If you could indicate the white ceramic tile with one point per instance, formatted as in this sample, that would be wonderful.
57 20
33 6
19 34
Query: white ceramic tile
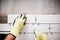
21 37
55 27
28 28
54 37
48 18
49 37
30 18
12 17
25 37
5 27
42 27
31 28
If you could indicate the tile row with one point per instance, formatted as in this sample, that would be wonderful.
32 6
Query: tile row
31 28
31 37
39 18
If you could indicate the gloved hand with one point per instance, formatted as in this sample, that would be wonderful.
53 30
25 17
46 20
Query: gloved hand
18 25
40 36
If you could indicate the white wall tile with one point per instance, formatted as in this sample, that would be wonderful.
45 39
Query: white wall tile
54 37
30 18
55 27
5 27
12 17
28 28
42 27
48 18
25 37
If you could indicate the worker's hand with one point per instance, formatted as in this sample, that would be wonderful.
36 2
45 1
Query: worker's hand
40 36
18 25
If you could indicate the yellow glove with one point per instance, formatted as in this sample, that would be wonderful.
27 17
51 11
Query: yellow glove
18 25
40 36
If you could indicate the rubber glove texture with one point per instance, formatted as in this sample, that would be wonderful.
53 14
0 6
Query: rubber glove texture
40 36
18 25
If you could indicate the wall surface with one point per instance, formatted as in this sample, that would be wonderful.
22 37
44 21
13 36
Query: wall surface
31 6
42 15
49 24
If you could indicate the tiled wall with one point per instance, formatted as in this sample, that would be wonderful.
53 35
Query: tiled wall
39 17
49 24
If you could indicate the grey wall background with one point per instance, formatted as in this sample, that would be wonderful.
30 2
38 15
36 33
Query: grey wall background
30 6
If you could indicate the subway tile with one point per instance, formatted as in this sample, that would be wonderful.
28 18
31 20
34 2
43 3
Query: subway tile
28 28
25 37
54 37
31 28
48 18
5 27
12 17
30 18
55 27
42 27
